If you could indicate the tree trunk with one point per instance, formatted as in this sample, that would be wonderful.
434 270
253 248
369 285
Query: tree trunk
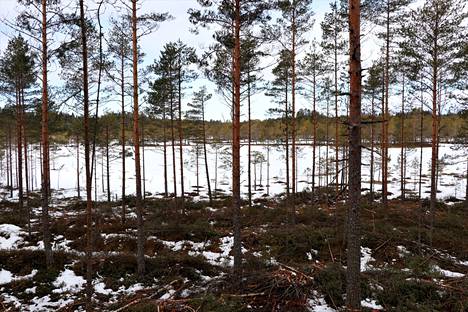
8 160
314 123
286 112
181 151
435 127
268 169
327 173
386 112
19 147
466 186
249 146
255 176
236 146
353 294
382 136
143 156
136 142
197 158
293 115
103 187
216 170
371 191
78 167
421 145
165 152
402 137
206 155
45 181
337 135
89 204
122 132
26 166
174 170
108 165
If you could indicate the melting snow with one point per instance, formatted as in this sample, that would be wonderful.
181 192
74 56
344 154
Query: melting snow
319 305
366 257
10 236
5 277
447 273
371 304
68 281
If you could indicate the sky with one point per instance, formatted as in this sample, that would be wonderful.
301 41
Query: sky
179 28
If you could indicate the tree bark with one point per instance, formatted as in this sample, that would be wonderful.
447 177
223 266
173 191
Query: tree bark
45 181
286 113
293 113
236 146
337 135
421 145
136 142
174 170
19 146
143 156
108 165
371 192
466 185
249 146
122 131
8 160
78 167
206 155
435 127
314 123
402 137
386 112
165 151
89 204
26 165
327 169
181 151
353 294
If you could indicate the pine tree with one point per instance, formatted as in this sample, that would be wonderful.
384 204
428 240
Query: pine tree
232 17
312 68
158 98
389 13
185 56
143 24
280 88
197 113
334 45
119 47
372 89
432 40
16 75
353 293
295 21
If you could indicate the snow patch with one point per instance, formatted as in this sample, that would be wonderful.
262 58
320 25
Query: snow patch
371 304
5 277
319 305
447 273
366 258
68 281
10 236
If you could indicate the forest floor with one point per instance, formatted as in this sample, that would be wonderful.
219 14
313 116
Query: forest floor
287 267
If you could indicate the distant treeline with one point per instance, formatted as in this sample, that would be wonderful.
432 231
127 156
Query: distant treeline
66 127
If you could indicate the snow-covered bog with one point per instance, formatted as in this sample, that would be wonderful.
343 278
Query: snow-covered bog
268 177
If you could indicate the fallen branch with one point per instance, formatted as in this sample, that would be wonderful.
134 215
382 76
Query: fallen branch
244 295
296 271
138 300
